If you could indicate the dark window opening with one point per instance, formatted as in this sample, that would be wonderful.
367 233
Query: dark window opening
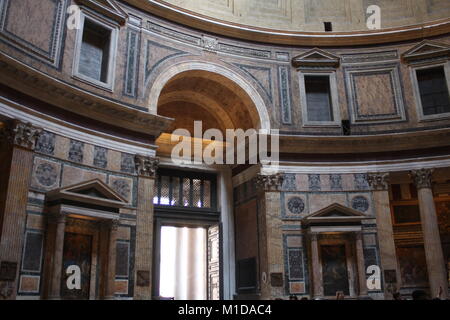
318 98
433 91
328 26
94 54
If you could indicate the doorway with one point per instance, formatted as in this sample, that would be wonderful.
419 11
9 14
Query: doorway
183 263
187 236
187 266
77 252
334 270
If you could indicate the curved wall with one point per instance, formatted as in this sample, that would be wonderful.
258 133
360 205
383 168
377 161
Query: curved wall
309 15
374 84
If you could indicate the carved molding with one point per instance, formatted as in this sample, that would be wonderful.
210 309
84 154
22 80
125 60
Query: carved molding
422 178
108 8
72 99
427 50
316 58
56 218
269 182
20 134
378 181
146 166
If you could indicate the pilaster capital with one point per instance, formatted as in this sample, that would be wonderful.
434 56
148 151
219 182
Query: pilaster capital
269 182
422 178
146 166
378 181
20 134
56 218
112 225
313 236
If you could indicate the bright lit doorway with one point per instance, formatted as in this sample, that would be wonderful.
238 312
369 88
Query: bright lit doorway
183 263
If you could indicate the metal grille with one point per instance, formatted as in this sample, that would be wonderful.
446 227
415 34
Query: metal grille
186 192
165 191
207 194
175 191
196 193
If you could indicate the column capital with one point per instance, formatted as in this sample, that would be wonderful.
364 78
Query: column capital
378 181
422 178
146 166
20 134
269 182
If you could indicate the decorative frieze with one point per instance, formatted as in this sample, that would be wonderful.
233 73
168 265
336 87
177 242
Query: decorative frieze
361 181
146 166
46 143
100 157
314 182
127 163
378 181
20 134
269 182
335 182
289 182
422 178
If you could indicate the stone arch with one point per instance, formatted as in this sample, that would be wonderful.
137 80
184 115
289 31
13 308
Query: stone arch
258 109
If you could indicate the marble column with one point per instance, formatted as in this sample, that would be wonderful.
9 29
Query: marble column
316 267
146 169
437 273
110 285
17 143
58 223
270 235
362 283
379 183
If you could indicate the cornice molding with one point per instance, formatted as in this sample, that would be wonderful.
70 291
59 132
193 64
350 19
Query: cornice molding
427 50
316 58
50 90
108 8
415 140
272 36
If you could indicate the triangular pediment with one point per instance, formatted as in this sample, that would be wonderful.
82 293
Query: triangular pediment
427 49
334 214
88 191
107 7
316 58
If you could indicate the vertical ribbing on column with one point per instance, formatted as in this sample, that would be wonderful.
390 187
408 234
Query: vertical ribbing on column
14 210
15 206
144 235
